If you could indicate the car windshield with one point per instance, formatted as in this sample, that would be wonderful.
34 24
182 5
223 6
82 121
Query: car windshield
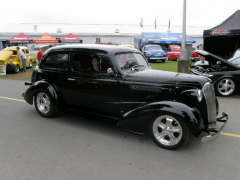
156 48
131 62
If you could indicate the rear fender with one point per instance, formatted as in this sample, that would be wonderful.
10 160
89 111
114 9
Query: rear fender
41 85
137 119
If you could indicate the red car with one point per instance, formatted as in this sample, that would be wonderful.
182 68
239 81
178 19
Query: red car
195 56
174 54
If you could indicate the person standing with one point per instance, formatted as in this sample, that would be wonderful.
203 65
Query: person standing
39 55
202 61
22 57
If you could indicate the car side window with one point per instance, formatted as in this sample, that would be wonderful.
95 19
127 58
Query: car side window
83 62
56 61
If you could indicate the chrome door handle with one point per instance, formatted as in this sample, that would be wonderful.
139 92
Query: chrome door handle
70 79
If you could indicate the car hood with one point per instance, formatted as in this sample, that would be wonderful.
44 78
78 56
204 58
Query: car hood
152 76
236 58
4 55
213 58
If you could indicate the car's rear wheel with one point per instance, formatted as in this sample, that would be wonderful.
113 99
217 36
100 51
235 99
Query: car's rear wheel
44 104
16 69
225 87
169 131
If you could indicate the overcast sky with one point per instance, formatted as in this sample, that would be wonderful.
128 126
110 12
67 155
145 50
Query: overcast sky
199 12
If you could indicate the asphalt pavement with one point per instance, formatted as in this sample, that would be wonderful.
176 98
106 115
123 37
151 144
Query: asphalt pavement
70 148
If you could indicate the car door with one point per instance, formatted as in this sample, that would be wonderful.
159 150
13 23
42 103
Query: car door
55 69
94 92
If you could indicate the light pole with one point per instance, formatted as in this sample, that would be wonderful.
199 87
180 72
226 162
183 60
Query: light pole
183 62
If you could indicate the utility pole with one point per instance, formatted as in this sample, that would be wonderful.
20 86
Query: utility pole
183 62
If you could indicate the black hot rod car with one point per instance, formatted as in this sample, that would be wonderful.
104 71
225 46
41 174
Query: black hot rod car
125 93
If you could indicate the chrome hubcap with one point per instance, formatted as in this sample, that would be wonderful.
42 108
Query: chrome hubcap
167 130
43 103
226 87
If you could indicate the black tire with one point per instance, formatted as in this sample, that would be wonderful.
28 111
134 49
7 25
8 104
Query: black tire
169 131
16 69
225 87
44 104
163 61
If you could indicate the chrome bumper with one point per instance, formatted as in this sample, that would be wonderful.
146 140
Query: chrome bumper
213 134
157 57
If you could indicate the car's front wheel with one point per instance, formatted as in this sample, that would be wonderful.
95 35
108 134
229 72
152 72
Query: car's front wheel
225 87
44 104
169 131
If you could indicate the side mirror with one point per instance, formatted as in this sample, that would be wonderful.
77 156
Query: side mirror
109 71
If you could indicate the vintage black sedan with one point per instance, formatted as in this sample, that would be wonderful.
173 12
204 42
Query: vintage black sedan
116 85
225 75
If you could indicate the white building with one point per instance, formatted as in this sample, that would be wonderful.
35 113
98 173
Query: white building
92 33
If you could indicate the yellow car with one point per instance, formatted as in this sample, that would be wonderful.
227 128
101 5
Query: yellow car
9 57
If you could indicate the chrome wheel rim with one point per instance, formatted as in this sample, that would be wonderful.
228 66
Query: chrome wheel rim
167 130
226 87
43 103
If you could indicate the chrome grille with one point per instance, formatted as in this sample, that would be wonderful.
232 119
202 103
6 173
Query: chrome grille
209 93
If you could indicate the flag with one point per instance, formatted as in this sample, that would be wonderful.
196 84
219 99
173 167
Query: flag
169 24
141 23
155 23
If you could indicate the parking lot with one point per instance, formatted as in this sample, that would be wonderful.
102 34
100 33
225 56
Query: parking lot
67 147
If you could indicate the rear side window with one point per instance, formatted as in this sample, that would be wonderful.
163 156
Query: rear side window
83 62
56 61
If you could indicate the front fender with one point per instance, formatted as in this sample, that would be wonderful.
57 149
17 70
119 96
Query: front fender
137 119
41 85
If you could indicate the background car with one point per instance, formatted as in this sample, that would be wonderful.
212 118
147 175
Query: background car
174 53
154 53
9 57
175 50
224 74
34 51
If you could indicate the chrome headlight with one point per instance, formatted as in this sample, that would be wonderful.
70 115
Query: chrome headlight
199 95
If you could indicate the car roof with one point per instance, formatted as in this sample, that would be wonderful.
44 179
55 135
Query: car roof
98 47
14 47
